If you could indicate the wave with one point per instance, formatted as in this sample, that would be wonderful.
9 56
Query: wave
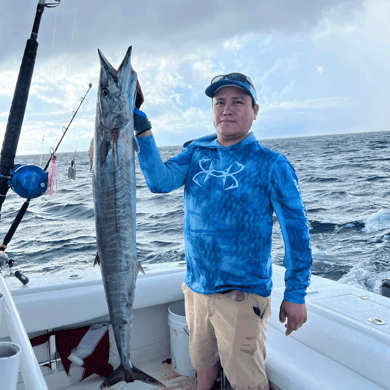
343 182
317 227
328 269
380 159
338 194
378 221
322 179
369 273
346 165
321 227
165 257
316 210
69 210
378 145
377 178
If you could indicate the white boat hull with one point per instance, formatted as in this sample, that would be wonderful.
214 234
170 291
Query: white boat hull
338 348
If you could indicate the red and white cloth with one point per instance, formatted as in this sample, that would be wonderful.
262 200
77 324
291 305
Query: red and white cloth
84 351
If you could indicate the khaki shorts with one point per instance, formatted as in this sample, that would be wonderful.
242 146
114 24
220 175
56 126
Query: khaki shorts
221 328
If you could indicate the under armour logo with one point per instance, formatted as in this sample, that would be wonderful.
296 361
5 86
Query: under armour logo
206 173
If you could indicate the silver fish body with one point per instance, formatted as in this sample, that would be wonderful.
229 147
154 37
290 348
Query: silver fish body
114 190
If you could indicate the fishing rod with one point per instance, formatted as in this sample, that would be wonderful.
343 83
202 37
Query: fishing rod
29 180
19 103
24 180
65 129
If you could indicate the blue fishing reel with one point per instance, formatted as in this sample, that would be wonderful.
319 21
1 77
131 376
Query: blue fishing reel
28 181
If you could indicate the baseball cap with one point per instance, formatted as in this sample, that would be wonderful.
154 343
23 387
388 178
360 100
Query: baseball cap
232 79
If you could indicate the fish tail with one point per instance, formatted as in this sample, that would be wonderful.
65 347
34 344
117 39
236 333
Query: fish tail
131 375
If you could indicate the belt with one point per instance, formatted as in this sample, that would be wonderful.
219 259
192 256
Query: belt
237 295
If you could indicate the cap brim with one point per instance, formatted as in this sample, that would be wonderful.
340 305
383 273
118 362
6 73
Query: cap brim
214 87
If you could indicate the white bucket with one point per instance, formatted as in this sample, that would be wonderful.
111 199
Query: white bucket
9 365
180 340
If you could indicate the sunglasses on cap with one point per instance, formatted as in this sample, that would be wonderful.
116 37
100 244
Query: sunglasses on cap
234 77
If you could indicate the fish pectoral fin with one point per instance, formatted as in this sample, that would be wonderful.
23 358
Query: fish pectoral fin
90 152
140 269
97 259
130 375
136 145
105 148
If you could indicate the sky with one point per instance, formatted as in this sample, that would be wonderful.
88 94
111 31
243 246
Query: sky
319 67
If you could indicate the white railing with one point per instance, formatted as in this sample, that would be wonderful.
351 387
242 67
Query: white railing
31 373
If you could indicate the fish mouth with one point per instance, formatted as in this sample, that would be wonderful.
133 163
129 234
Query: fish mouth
115 113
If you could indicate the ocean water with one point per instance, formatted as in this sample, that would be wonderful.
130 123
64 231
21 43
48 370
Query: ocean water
345 185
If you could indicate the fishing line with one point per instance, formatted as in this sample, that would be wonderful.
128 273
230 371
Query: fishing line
69 56
53 151
50 83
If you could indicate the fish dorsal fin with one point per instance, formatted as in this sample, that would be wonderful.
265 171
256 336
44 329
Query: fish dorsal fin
90 152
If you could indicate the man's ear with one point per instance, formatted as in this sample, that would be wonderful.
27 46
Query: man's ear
256 111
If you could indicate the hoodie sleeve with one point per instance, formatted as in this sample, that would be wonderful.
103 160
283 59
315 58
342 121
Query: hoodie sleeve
287 203
162 177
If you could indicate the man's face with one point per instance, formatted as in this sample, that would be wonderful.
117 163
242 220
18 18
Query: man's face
233 115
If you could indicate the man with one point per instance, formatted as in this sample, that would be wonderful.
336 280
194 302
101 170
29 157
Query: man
232 186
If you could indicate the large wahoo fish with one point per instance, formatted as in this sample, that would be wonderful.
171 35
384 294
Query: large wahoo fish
115 214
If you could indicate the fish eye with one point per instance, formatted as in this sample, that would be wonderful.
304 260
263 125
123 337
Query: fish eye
105 92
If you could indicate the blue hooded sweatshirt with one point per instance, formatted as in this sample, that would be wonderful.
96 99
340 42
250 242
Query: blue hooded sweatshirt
229 198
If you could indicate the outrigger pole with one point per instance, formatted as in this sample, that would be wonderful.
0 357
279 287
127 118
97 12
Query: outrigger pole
19 102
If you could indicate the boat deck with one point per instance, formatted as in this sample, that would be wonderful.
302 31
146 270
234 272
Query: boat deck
156 368
343 345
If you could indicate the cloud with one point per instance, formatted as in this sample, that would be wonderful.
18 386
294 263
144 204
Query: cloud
176 119
362 48
156 24
321 64
233 44
310 104
51 103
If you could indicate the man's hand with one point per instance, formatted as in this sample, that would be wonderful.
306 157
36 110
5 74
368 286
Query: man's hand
139 99
295 313
142 124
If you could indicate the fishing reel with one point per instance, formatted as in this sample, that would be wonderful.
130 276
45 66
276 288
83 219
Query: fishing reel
4 259
28 181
